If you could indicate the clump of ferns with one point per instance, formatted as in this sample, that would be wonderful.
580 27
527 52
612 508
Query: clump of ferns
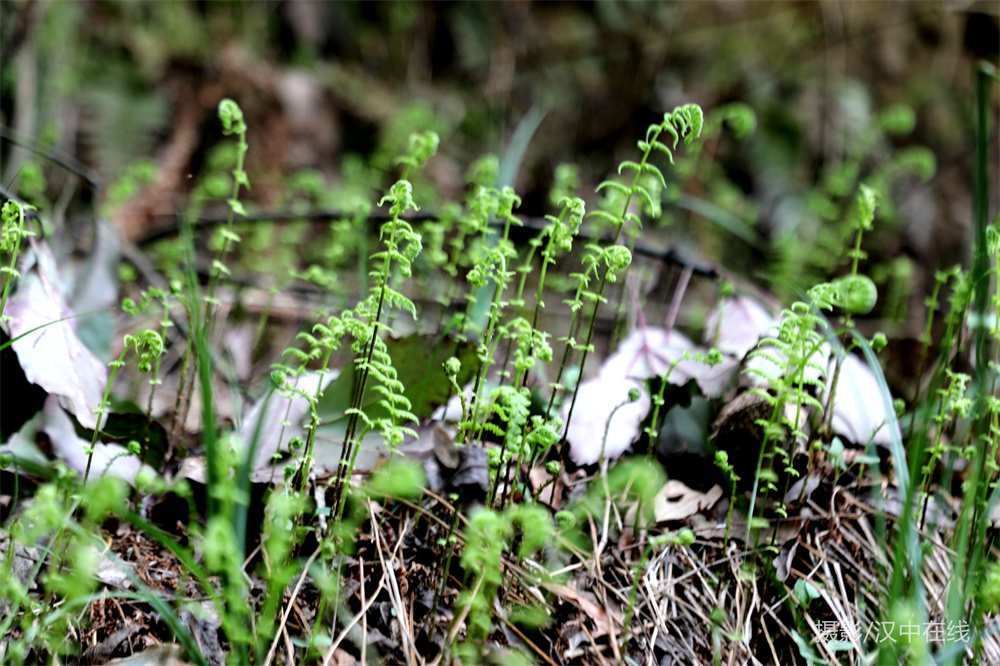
796 352
992 441
321 343
557 237
493 268
440 269
992 402
490 534
469 245
522 437
953 405
685 123
801 352
401 246
854 293
480 205
614 259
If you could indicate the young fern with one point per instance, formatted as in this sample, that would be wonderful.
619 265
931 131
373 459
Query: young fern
683 123
954 405
797 351
490 533
557 236
493 267
148 346
130 307
401 247
214 185
12 232
232 123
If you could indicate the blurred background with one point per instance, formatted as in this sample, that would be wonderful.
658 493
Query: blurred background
111 107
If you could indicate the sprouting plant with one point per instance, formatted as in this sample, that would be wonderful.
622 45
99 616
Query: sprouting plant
489 535
790 363
402 245
148 346
727 469
130 307
471 225
954 404
557 236
214 185
11 234
684 122
493 268
277 543
232 123
742 122
941 278
280 382
614 259
854 293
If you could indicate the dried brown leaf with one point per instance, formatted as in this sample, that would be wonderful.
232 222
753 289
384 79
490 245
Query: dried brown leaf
676 501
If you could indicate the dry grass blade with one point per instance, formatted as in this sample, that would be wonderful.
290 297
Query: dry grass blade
360 616
397 601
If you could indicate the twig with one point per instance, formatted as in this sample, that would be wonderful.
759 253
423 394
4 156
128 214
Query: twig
362 617
364 605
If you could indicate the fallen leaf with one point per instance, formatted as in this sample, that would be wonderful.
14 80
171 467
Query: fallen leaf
96 288
653 351
601 619
340 658
604 421
737 324
109 459
53 356
858 409
168 654
676 501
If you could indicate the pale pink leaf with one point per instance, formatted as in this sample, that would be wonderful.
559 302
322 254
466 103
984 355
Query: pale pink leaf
858 407
53 356
596 400
737 324
109 459
652 351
